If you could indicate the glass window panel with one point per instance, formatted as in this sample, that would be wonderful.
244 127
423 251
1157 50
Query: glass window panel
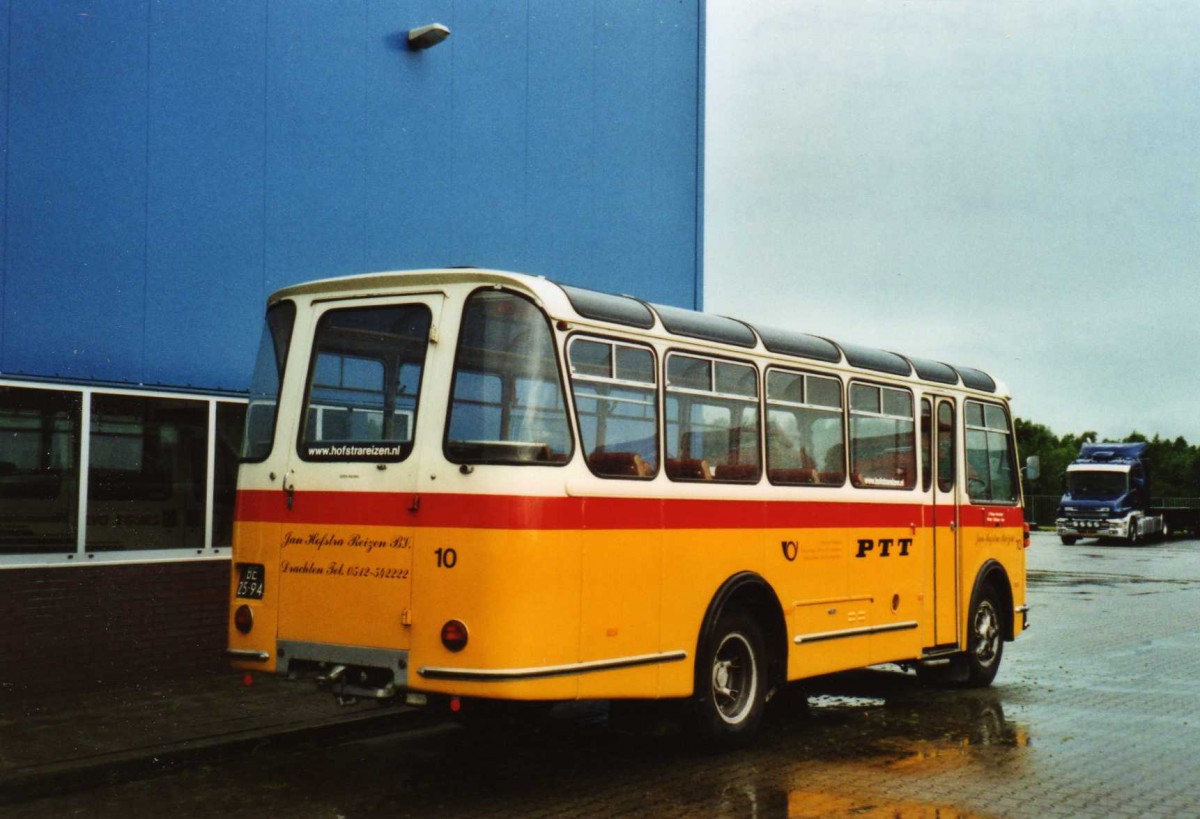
785 386
229 424
39 472
711 436
618 422
635 364
147 478
864 398
685 372
974 414
945 447
1000 468
882 452
737 379
591 358
824 392
991 469
897 403
507 400
365 383
994 417
266 380
978 468
926 445
805 446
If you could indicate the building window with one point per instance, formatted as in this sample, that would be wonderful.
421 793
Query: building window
39 470
147 473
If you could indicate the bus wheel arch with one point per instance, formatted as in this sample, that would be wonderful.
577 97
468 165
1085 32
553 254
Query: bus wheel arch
991 600
741 659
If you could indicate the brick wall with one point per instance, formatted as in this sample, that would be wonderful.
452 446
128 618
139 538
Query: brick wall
72 628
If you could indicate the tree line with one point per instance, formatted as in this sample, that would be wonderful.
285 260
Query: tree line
1174 465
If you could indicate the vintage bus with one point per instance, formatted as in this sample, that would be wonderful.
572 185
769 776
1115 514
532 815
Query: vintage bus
475 484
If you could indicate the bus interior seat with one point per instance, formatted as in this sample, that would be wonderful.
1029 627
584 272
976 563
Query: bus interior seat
746 473
620 464
689 469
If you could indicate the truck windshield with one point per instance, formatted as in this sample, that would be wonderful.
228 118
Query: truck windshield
1097 485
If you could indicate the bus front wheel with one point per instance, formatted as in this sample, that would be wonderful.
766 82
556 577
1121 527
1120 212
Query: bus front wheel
731 680
985 640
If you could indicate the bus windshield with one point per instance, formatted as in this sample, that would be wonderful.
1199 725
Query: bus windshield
1097 485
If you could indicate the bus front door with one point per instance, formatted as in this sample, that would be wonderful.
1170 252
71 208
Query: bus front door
945 526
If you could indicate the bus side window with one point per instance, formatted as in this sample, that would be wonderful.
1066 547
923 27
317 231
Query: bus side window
507 403
805 433
712 420
883 451
616 400
991 476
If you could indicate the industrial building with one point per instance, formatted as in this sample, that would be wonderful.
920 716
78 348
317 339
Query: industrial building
167 165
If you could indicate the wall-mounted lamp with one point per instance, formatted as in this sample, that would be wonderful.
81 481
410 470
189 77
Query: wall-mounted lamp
427 36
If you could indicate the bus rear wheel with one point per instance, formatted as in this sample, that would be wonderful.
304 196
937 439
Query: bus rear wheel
731 681
985 640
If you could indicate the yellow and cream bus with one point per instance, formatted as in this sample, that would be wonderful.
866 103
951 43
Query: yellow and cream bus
475 484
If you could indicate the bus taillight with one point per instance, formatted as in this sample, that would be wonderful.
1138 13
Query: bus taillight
454 635
243 619
1025 542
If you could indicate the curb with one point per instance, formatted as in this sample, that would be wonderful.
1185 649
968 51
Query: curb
124 766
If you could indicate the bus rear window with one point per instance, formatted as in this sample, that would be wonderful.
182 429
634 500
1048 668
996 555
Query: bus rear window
365 382
266 380
507 403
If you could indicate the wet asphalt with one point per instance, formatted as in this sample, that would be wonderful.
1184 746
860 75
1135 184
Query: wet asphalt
1094 713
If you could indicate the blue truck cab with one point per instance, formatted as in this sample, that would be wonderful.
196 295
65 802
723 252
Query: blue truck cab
1106 494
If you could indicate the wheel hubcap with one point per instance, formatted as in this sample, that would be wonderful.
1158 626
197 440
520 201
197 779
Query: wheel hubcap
734 678
987 634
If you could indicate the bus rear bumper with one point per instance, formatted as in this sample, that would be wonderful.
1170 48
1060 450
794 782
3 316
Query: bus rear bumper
347 671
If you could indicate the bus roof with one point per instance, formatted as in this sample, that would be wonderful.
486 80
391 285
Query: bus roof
565 301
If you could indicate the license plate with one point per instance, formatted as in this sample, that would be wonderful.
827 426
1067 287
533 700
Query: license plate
250 580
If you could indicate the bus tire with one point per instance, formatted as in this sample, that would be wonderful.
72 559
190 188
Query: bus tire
985 639
1069 540
731 680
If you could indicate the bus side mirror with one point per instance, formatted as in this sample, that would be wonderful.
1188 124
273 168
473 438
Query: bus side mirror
1033 467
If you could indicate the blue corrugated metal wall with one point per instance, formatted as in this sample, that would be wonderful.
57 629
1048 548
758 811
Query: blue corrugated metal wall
168 164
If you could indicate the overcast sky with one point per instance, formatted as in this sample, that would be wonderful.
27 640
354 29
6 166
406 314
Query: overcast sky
1013 186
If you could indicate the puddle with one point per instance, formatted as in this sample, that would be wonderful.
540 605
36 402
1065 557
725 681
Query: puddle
818 804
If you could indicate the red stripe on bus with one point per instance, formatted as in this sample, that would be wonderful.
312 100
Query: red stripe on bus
524 512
